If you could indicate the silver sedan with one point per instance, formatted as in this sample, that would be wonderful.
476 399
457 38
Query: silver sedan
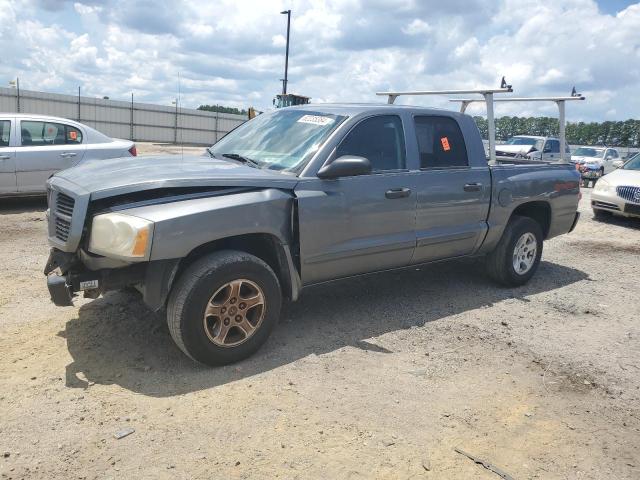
619 191
34 147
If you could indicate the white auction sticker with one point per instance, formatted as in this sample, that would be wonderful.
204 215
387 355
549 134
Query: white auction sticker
316 120
89 285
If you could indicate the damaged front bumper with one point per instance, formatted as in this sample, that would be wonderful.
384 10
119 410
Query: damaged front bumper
66 276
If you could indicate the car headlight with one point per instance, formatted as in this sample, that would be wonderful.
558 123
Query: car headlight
602 186
120 235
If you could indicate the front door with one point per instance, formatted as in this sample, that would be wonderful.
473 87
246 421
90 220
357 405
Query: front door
453 198
360 224
7 159
45 148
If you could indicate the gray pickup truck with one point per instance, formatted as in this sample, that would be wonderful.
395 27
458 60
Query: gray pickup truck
293 198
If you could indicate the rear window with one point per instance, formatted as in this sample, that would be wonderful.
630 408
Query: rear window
440 142
5 133
37 134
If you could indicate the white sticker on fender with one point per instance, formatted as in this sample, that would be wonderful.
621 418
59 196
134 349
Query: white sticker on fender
316 120
89 284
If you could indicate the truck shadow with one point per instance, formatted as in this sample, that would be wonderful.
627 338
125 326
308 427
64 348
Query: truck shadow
11 205
116 340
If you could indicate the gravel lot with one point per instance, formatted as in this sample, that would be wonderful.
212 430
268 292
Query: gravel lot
378 377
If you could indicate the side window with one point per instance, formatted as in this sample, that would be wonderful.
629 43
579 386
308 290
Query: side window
47 133
440 142
5 133
554 146
614 153
380 139
73 135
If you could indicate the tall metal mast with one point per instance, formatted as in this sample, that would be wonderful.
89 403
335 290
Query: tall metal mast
286 60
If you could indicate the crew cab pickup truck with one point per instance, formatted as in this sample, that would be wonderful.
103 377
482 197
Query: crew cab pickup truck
292 198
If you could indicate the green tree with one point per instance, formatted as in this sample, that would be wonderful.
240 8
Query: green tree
222 109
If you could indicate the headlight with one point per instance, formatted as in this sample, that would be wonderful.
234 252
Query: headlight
120 235
602 186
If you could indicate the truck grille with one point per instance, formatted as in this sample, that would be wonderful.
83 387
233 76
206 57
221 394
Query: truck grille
63 213
630 194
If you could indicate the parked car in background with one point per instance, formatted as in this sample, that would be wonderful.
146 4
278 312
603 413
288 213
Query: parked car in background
594 162
619 191
546 149
34 147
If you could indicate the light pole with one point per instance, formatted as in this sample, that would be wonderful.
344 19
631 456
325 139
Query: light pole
286 58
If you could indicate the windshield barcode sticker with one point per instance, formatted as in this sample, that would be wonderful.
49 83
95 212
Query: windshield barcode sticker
316 120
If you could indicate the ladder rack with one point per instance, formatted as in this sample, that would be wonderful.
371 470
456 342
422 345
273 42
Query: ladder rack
487 93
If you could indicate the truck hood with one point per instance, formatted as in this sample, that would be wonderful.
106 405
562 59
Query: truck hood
117 176
514 148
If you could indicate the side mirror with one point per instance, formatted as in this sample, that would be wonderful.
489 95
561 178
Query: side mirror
618 163
345 166
546 149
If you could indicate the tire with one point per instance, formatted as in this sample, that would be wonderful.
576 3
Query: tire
600 214
201 302
500 262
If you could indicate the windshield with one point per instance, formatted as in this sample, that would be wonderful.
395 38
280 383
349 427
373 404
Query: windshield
588 152
633 163
279 140
521 141
536 143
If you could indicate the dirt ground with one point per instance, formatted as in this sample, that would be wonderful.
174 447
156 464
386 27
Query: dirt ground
378 377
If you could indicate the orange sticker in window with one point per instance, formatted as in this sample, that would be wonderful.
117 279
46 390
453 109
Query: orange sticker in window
445 144
73 135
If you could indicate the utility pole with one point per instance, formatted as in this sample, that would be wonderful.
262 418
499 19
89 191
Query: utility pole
286 58
78 103
18 96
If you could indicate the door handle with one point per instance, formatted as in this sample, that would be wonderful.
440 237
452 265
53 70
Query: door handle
397 193
67 154
472 187
4 157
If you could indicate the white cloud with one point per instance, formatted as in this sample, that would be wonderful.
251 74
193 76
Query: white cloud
341 50
417 27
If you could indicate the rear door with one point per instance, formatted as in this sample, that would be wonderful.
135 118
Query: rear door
453 197
45 148
7 157
365 223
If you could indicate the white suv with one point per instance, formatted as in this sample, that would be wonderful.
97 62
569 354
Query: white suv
596 159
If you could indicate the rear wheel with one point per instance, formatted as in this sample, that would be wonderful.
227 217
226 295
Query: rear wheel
517 256
223 307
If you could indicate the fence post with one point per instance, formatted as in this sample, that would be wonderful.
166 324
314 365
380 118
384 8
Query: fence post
215 140
175 131
79 103
18 94
131 120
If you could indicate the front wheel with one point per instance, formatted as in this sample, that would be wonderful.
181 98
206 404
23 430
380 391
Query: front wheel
517 256
223 307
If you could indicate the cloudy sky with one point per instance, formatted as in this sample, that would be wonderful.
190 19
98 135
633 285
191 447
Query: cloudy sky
232 51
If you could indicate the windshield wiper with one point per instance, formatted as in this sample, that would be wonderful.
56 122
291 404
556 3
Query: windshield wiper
243 159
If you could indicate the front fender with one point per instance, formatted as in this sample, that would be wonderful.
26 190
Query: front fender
182 226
